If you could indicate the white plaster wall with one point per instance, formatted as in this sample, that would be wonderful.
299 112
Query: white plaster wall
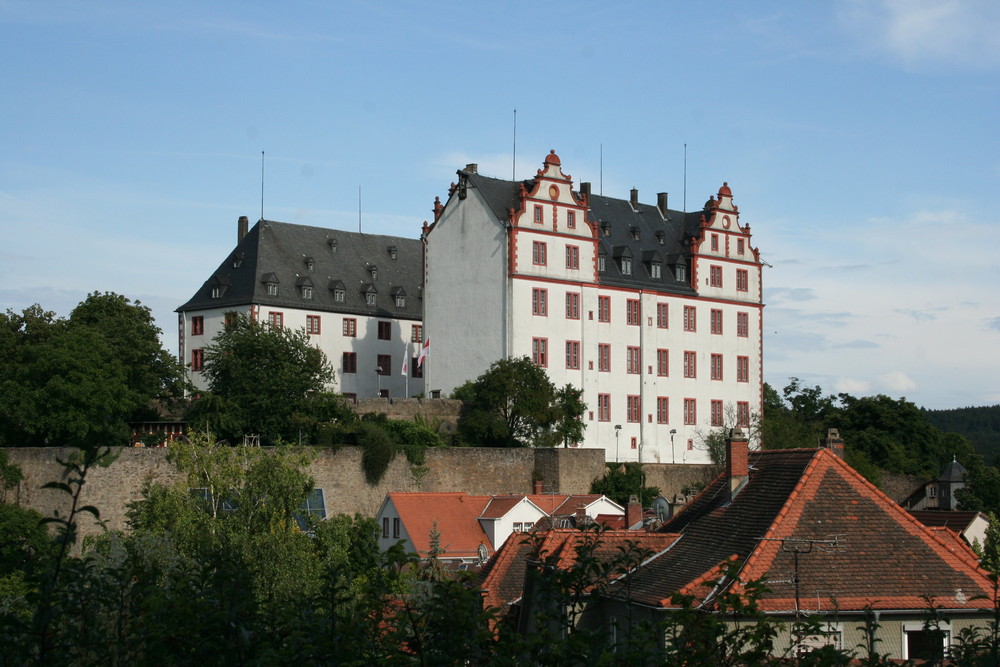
465 284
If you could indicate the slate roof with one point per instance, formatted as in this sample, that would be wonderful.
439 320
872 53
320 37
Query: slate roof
279 252
881 556
621 220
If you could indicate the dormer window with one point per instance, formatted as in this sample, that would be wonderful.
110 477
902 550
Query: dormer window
370 298
216 291
392 252
333 245
373 270
602 261
634 231
307 292
339 295
272 289
681 273
606 227
660 236
219 285
626 264
654 270
310 264
400 301
237 260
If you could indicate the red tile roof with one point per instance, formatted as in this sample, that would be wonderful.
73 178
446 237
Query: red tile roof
454 516
857 547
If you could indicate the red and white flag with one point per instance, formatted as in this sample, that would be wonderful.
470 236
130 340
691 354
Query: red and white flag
423 352
406 365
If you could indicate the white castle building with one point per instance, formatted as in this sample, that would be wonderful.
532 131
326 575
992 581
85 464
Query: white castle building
654 313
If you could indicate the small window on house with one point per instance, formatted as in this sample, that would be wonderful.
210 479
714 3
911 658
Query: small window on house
313 325
416 333
715 241
602 262
307 292
395 524
571 219
660 236
310 264
339 295
385 527
276 319
740 246
350 327
374 272
197 325
197 360
654 270
634 230
216 292
370 298
681 273
350 362
392 252
606 228
384 330
538 214
237 260
272 289
626 264
400 301
333 245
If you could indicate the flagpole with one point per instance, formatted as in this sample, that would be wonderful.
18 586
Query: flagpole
406 375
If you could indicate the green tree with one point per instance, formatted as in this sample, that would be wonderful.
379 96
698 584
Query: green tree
79 381
514 404
622 480
265 376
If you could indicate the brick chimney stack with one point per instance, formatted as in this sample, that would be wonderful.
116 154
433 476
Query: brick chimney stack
737 465
538 487
633 512
634 198
834 442
242 228
581 516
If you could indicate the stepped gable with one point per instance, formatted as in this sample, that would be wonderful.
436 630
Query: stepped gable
619 228
281 252
863 549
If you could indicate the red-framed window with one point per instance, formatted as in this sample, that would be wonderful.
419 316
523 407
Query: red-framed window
604 407
716 321
716 366
633 410
662 316
538 214
715 276
313 325
276 319
740 247
350 327
573 354
715 242
690 364
742 414
633 360
572 257
663 362
538 253
572 305
539 301
742 280
198 325
604 357
604 309
742 369
690 318
632 313
662 410
417 333
743 325
571 219
716 413
198 359
540 351
350 362
635 443
690 413
384 330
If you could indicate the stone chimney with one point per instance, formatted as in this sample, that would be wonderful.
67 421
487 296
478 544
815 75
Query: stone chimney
585 189
242 228
634 198
472 168
633 512
537 487
737 465
834 442
661 203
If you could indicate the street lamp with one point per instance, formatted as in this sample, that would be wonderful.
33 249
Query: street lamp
378 378
673 458
618 430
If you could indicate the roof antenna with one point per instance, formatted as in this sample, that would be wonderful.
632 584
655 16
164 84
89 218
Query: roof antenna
602 170
359 209
513 164
685 178
262 185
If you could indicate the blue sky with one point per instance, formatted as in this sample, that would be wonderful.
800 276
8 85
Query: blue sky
860 140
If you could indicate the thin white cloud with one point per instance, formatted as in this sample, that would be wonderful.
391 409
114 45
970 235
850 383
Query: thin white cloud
855 386
918 33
